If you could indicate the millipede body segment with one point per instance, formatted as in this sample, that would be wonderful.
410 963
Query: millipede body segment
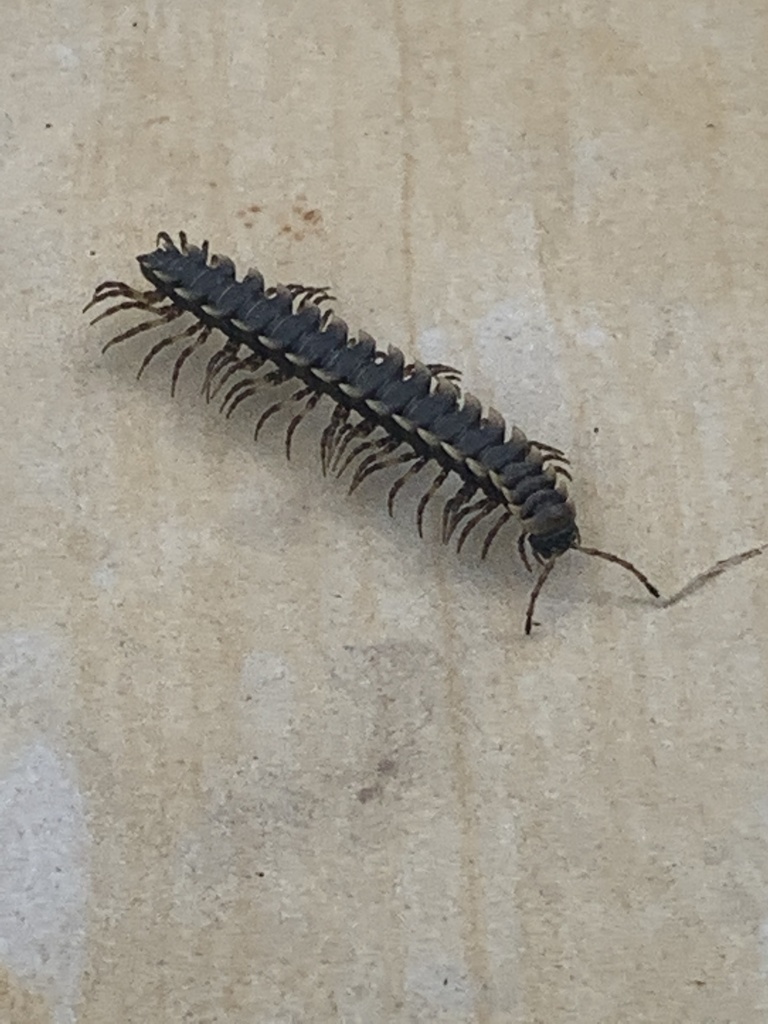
387 414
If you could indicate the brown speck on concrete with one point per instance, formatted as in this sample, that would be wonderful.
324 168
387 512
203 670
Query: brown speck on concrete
386 766
368 793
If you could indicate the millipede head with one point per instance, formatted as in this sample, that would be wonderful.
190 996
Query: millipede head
550 532
554 545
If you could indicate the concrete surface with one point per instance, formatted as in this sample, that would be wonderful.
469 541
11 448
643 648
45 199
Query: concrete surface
264 755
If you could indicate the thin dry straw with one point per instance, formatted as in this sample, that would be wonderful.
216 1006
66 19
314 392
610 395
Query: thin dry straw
709 574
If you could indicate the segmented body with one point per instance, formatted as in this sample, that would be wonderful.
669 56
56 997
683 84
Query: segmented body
387 412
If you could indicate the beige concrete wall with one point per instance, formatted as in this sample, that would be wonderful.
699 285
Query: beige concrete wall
264 755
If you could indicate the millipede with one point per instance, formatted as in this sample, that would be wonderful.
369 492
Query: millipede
387 413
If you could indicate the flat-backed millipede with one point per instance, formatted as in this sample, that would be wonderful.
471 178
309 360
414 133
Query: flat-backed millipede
388 413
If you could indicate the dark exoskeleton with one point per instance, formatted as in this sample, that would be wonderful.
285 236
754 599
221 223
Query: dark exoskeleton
388 413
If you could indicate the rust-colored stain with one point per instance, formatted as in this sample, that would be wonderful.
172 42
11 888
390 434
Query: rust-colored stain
246 214
309 218
302 218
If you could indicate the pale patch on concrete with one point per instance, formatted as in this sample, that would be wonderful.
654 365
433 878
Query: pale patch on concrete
442 985
44 877
34 689
65 57
104 576
271 708
762 944
590 334
433 344
519 353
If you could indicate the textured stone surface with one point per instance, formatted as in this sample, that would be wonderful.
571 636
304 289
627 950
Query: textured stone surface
264 755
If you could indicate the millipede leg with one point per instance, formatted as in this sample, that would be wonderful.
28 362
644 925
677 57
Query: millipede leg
112 290
401 481
493 534
485 510
276 376
437 483
165 342
249 388
311 403
295 397
449 373
521 550
371 463
339 436
396 460
265 416
436 370
466 511
316 298
561 471
452 518
245 384
184 356
452 505
548 566
346 436
551 449
109 285
251 363
145 325
377 443
147 305
226 354
304 294
123 291
338 419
